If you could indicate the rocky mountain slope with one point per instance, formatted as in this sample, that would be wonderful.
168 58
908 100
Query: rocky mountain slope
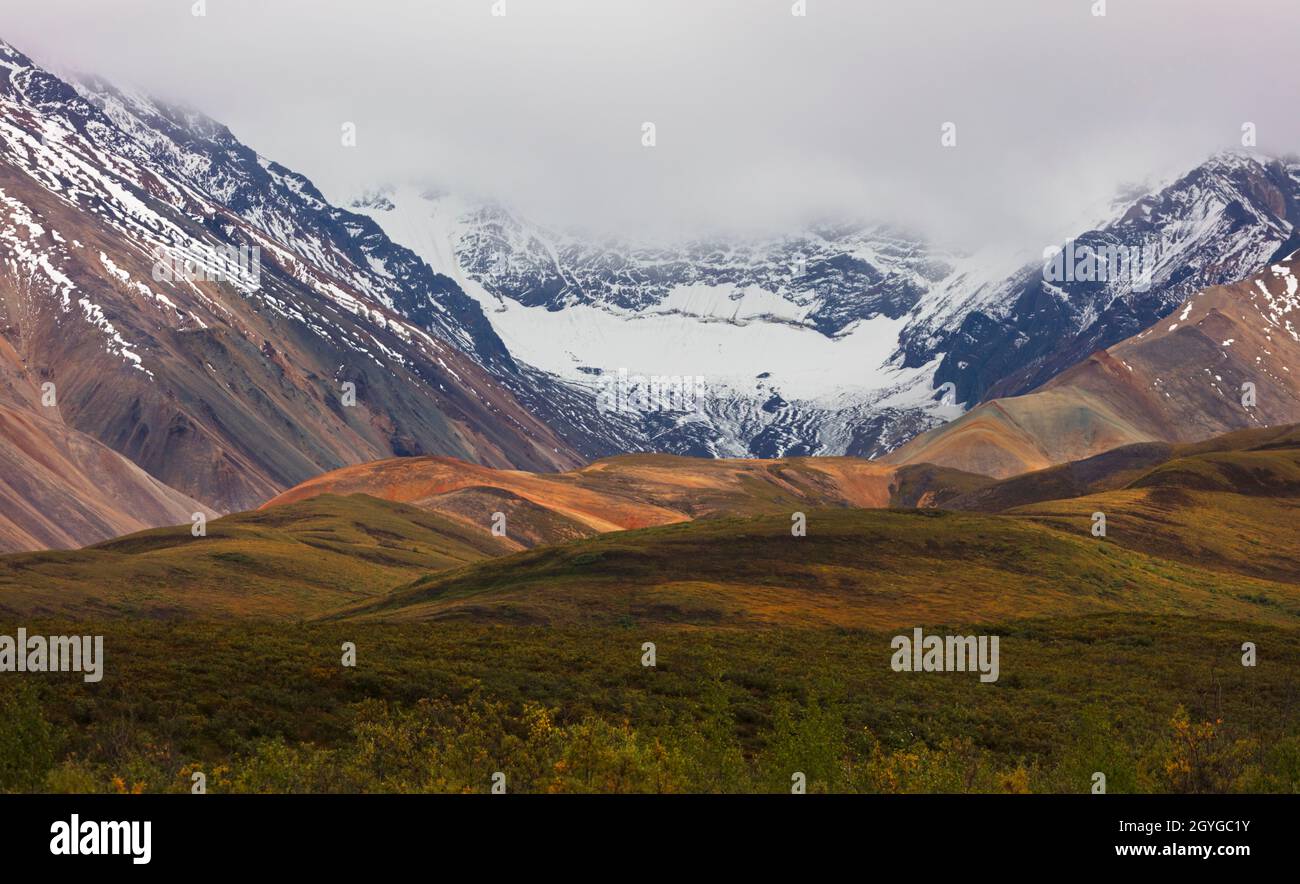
61 488
227 384
1225 360
421 323
1220 223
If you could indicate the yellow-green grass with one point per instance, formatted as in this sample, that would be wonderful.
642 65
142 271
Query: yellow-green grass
1228 512
268 707
855 568
1271 473
1244 458
926 485
291 562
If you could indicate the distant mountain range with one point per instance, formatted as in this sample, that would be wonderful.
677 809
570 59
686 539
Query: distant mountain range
419 323
843 339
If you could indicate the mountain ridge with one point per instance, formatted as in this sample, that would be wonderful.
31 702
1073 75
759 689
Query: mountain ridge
226 387
929 331
1178 381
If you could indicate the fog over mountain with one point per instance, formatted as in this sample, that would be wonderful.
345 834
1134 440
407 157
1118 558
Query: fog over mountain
763 118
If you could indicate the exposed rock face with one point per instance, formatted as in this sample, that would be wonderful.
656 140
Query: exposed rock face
231 386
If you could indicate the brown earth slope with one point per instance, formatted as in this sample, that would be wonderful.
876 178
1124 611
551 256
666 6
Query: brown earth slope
60 488
618 493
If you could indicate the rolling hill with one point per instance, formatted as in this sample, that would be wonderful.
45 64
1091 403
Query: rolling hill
347 534
1109 471
1208 530
292 562
617 493
867 570
351 533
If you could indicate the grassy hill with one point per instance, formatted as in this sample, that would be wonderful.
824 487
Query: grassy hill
291 562
860 569
523 654
358 532
1120 468
1208 529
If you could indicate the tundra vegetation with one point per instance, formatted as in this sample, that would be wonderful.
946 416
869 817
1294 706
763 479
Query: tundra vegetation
1157 703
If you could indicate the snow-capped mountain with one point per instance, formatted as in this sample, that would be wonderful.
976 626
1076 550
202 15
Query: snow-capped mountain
1222 361
1220 223
204 312
286 207
842 339
794 339
464 329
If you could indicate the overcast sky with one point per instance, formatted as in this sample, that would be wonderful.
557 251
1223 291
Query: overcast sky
762 117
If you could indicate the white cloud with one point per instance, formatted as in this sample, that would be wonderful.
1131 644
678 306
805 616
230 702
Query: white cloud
761 116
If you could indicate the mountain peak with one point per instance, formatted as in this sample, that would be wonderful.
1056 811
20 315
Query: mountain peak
8 52
1236 158
318 305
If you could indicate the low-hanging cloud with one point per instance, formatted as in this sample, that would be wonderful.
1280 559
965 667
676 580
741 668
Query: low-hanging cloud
763 118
